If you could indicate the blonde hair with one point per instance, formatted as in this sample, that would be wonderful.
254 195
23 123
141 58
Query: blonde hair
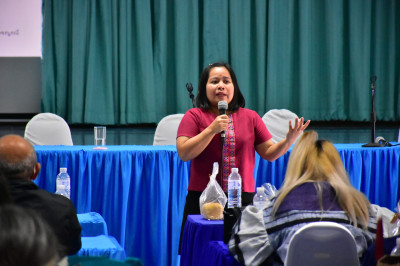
318 160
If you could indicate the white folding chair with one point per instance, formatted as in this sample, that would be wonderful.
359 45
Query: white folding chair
167 130
398 139
322 243
48 129
277 122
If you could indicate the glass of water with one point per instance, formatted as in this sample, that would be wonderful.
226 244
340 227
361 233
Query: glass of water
100 136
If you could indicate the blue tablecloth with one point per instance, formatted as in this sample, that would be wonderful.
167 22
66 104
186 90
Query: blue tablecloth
93 224
374 171
196 235
140 190
102 246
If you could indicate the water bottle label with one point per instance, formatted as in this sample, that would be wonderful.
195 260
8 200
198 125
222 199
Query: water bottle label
63 183
234 184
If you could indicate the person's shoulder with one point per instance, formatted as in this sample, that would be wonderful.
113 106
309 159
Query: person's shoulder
198 113
196 110
40 199
55 199
64 206
246 111
60 199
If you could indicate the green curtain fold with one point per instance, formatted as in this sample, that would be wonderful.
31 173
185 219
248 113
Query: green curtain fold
127 62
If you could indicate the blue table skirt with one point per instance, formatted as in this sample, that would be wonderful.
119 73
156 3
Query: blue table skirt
141 190
197 233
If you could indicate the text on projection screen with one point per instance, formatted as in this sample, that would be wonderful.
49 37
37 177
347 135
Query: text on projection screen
20 28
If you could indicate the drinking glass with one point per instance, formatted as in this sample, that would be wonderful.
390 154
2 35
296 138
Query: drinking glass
100 136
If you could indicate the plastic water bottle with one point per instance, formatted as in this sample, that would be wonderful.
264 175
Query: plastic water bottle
63 183
396 249
234 189
260 200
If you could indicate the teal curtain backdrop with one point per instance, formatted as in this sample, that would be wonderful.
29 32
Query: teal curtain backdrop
127 62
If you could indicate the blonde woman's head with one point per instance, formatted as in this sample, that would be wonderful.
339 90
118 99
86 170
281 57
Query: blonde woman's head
314 160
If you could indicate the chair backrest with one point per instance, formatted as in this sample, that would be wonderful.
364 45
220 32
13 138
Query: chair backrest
277 122
398 138
167 129
322 243
48 129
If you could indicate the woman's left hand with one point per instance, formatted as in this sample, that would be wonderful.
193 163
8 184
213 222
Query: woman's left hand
271 151
297 129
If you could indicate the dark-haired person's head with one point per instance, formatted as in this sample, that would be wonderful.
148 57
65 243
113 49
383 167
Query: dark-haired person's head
25 239
201 99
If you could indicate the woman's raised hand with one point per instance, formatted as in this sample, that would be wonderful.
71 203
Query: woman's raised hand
297 129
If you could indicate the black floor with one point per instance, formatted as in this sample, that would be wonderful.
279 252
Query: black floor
336 132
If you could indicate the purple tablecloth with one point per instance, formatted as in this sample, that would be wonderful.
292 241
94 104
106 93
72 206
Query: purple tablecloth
217 253
196 236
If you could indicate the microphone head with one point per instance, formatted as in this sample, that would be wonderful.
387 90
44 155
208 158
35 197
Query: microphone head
222 105
382 141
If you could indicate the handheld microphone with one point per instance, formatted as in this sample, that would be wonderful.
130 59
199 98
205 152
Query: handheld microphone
222 107
382 141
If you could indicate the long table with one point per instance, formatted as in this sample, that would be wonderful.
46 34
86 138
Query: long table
140 190
374 171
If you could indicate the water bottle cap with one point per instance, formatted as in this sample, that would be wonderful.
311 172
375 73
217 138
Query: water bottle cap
235 170
260 190
63 169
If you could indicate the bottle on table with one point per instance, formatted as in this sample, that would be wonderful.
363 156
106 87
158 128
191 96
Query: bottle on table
260 200
234 189
396 249
63 183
